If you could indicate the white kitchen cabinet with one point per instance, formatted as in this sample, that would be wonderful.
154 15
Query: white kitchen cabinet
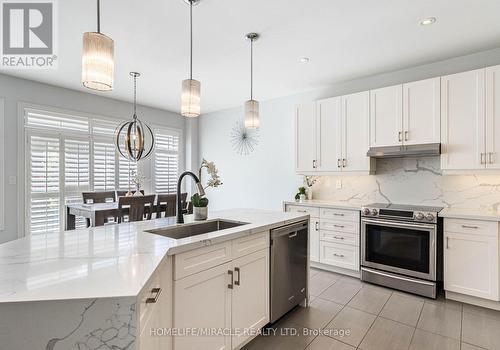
340 255
203 301
463 121
305 137
471 264
386 116
355 128
422 112
250 295
329 142
492 158
314 240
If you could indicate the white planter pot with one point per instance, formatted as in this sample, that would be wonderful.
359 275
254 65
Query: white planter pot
200 213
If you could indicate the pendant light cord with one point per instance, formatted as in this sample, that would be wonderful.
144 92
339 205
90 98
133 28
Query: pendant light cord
251 69
98 16
191 39
135 96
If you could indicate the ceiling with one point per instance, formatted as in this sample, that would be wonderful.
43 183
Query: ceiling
344 39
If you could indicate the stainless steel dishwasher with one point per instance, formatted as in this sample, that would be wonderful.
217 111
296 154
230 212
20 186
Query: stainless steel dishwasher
288 268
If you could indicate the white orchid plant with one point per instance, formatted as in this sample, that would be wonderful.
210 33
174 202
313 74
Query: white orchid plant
212 170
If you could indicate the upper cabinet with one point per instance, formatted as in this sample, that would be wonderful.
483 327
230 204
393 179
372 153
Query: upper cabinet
422 112
407 114
386 116
492 152
332 135
463 120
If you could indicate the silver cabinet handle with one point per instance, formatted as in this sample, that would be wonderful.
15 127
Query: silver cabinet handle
230 273
157 292
338 255
467 226
338 237
406 135
338 163
490 157
340 226
314 164
344 162
483 161
292 235
237 282
447 242
316 225
400 136
338 214
301 211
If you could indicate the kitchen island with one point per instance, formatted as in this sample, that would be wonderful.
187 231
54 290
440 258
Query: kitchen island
109 287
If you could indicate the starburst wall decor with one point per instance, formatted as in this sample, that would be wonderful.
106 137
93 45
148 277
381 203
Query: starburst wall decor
244 140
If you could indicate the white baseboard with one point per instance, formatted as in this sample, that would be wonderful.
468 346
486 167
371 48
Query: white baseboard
490 304
336 269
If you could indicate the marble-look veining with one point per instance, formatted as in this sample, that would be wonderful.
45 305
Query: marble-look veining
108 261
413 181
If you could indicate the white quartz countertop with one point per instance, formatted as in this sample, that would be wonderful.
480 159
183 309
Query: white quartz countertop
472 214
108 261
326 204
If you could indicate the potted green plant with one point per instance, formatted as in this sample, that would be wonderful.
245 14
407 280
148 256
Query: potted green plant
200 207
301 195
200 203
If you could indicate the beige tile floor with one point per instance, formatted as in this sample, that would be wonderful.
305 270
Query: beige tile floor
345 313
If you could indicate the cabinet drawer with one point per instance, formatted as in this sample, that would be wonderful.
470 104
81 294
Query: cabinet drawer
249 244
339 226
340 255
476 227
314 212
148 291
339 214
200 259
339 237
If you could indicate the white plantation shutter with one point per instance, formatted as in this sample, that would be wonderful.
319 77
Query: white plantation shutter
44 184
104 166
76 165
166 161
55 121
125 172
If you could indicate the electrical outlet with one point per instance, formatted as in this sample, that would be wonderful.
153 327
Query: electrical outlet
339 184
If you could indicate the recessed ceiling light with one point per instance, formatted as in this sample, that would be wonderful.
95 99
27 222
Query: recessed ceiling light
428 21
304 60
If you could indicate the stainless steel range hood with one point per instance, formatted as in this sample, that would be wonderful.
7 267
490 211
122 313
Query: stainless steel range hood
430 149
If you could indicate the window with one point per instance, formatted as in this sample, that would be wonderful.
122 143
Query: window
68 154
166 161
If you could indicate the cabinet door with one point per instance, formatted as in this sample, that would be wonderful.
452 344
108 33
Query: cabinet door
386 116
422 112
250 301
305 137
471 265
493 117
355 131
462 120
203 301
314 240
329 135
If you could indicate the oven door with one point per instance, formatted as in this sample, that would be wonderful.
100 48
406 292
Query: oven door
400 247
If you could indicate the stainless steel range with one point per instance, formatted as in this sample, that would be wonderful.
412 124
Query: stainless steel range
401 247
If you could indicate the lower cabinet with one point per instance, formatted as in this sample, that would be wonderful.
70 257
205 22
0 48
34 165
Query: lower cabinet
471 264
340 255
232 296
314 240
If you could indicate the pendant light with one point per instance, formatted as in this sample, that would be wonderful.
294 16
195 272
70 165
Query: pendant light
190 98
98 58
134 139
251 106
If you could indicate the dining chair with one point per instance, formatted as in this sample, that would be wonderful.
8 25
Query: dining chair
138 207
98 197
167 203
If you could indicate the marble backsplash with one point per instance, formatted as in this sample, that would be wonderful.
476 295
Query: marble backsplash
413 181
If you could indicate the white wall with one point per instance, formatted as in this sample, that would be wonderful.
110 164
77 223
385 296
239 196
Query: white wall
267 177
15 91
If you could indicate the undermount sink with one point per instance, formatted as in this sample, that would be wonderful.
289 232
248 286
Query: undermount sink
196 228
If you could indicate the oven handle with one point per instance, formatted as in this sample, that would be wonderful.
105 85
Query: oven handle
398 224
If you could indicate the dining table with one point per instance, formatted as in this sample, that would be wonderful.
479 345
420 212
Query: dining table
97 213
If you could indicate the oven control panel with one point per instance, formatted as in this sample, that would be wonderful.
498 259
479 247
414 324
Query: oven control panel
398 214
